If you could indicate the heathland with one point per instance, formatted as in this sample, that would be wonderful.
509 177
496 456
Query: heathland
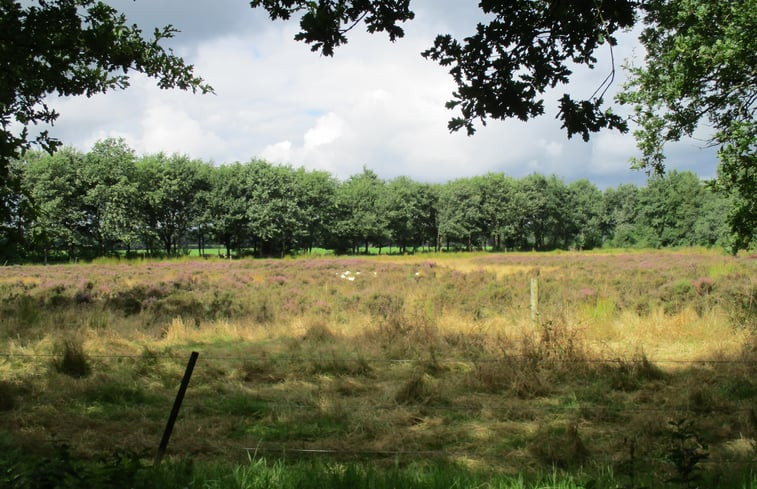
639 368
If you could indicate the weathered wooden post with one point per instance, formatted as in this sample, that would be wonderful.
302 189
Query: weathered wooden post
176 406
535 298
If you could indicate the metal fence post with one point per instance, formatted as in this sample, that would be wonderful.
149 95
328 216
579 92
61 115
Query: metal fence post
176 406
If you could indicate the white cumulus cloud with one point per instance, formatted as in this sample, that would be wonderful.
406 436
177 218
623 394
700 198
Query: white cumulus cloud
328 129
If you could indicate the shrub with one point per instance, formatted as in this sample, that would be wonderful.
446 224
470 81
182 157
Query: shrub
385 306
263 309
520 374
703 285
629 375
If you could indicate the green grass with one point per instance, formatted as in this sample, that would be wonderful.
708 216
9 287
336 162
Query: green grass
129 470
418 354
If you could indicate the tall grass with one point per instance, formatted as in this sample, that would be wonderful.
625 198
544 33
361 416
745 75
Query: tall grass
431 353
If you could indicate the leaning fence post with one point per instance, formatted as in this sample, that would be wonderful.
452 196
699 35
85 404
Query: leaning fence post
535 298
176 406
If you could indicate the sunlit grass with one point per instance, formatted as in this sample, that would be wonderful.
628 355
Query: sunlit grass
427 352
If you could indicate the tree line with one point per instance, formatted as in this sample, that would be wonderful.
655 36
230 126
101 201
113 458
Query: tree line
72 205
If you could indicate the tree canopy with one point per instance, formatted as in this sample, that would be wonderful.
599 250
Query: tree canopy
111 201
72 47
502 69
700 69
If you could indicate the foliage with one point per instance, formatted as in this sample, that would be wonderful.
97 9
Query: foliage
170 186
72 47
324 24
411 213
699 68
686 452
700 71
501 70
125 469
16 212
108 201
361 211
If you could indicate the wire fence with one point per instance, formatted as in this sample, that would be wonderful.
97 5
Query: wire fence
535 408
471 360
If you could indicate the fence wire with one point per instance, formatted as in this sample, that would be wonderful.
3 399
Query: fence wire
446 360
532 409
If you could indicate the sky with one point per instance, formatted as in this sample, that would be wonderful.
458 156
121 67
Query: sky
375 104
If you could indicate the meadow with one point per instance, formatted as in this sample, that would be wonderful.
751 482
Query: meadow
640 370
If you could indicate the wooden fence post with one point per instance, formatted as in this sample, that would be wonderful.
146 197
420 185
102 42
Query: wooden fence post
535 298
176 406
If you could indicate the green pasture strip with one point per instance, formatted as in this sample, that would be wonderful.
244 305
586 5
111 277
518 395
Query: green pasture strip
126 469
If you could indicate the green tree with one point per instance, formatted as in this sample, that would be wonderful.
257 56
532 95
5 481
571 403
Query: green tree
410 213
670 206
276 219
16 214
71 47
545 211
501 210
110 175
361 212
700 70
621 206
227 204
317 194
711 225
460 214
585 210
169 187
62 219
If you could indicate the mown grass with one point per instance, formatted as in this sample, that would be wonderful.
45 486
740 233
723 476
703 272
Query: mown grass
405 360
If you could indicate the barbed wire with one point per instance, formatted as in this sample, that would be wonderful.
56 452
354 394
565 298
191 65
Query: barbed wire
516 409
288 449
316 358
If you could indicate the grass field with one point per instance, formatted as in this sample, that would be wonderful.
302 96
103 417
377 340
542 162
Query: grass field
642 367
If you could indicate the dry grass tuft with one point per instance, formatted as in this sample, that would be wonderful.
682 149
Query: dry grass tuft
418 389
318 331
73 362
559 446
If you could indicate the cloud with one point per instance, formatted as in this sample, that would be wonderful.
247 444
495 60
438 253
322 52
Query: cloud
327 130
374 103
611 152
552 149
170 129
278 153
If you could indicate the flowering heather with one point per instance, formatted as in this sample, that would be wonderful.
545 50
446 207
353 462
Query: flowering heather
484 286
704 285
425 352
